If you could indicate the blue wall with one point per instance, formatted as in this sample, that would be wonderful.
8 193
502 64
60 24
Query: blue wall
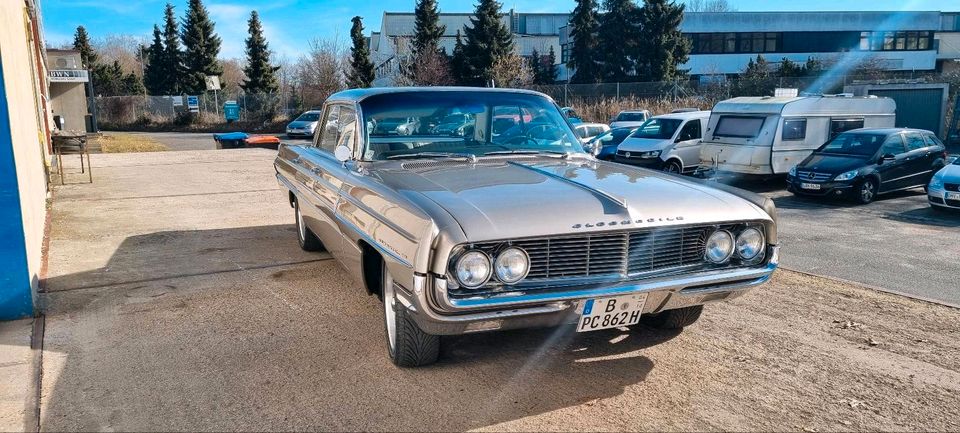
16 292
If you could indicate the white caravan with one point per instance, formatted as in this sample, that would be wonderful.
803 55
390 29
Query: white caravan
770 134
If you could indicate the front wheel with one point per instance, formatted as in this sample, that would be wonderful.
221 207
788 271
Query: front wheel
866 191
674 319
407 344
672 167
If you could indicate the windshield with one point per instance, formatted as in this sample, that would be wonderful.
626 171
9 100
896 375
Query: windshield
658 128
630 117
854 144
308 117
463 123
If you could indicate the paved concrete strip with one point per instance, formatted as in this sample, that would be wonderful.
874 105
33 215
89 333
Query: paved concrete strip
19 366
877 288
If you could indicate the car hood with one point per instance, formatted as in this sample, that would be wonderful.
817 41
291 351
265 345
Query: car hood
643 144
500 199
833 164
301 124
950 173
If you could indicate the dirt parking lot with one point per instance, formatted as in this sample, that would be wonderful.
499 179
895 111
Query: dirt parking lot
177 299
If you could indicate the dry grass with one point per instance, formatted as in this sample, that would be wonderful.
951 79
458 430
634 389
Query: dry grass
127 143
603 110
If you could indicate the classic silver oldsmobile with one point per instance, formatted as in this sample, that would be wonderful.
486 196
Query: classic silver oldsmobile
506 222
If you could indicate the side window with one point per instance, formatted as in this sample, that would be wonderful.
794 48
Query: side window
327 132
893 145
347 127
690 131
915 141
932 140
838 126
794 129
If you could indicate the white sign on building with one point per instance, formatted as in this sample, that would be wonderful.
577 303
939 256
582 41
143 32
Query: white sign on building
68 76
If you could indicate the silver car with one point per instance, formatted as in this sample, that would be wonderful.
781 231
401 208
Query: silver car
304 125
485 232
943 192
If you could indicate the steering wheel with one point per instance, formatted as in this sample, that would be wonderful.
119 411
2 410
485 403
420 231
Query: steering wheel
528 135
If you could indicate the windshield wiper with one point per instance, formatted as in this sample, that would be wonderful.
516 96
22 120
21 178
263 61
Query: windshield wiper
466 156
562 155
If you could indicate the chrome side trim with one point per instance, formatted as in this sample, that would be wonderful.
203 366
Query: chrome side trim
393 226
374 243
710 280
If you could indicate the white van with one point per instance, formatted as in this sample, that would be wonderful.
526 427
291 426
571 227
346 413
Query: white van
669 142
769 135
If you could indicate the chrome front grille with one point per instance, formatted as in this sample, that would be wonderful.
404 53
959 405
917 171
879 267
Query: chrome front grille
626 253
813 176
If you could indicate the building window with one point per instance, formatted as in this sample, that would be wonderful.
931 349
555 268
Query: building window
729 43
896 41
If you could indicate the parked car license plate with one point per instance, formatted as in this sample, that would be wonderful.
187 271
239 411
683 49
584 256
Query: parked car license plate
810 185
953 196
605 313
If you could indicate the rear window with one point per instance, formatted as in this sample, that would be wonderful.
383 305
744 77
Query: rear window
309 117
631 117
739 126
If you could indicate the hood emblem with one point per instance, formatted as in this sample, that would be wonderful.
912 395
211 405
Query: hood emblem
627 222
627 154
811 175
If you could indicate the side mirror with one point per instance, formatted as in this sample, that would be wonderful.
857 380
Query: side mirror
342 153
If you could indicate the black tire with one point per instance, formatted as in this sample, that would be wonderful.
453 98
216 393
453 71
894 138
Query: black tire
672 166
411 347
865 191
307 240
673 319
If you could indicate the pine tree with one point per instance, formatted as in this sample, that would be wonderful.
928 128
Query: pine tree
171 64
536 66
584 55
458 62
756 79
201 48
789 68
153 73
361 68
486 41
81 43
617 37
549 68
261 75
427 29
661 48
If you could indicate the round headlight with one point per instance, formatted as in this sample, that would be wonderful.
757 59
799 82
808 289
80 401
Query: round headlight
473 269
719 246
511 265
749 243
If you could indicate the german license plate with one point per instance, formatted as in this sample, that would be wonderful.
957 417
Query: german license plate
605 313
953 196
810 185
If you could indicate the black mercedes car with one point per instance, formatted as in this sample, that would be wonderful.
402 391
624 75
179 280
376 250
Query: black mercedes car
863 163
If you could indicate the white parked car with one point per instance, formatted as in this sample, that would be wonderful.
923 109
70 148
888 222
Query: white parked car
630 118
586 131
943 192
669 142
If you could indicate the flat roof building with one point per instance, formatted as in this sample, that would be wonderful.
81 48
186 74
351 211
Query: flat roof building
724 42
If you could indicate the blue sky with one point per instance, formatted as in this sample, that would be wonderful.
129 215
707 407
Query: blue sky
289 23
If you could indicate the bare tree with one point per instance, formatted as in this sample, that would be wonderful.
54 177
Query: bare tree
125 49
512 71
319 73
432 68
232 75
709 6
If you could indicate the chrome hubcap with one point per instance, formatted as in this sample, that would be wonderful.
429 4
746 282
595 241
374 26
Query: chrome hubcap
301 230
389 314
867 191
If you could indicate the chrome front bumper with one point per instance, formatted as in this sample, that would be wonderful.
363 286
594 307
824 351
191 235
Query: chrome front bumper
438 314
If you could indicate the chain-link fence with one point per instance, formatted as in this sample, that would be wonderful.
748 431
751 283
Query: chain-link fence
134 110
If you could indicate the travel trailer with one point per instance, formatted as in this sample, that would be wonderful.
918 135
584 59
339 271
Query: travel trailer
768 135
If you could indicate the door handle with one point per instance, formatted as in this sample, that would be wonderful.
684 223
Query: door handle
317 170
295 160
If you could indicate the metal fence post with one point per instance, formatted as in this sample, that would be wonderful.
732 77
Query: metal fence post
565 94
618 90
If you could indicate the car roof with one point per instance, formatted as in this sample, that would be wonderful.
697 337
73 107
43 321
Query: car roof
684 115
356 95
634 111
887 131
590 124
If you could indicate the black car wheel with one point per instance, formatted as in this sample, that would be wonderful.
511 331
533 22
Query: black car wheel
866 191
672 167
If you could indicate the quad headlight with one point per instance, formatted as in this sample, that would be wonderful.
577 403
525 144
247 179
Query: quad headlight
473 269
750 244
512 265
719 246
